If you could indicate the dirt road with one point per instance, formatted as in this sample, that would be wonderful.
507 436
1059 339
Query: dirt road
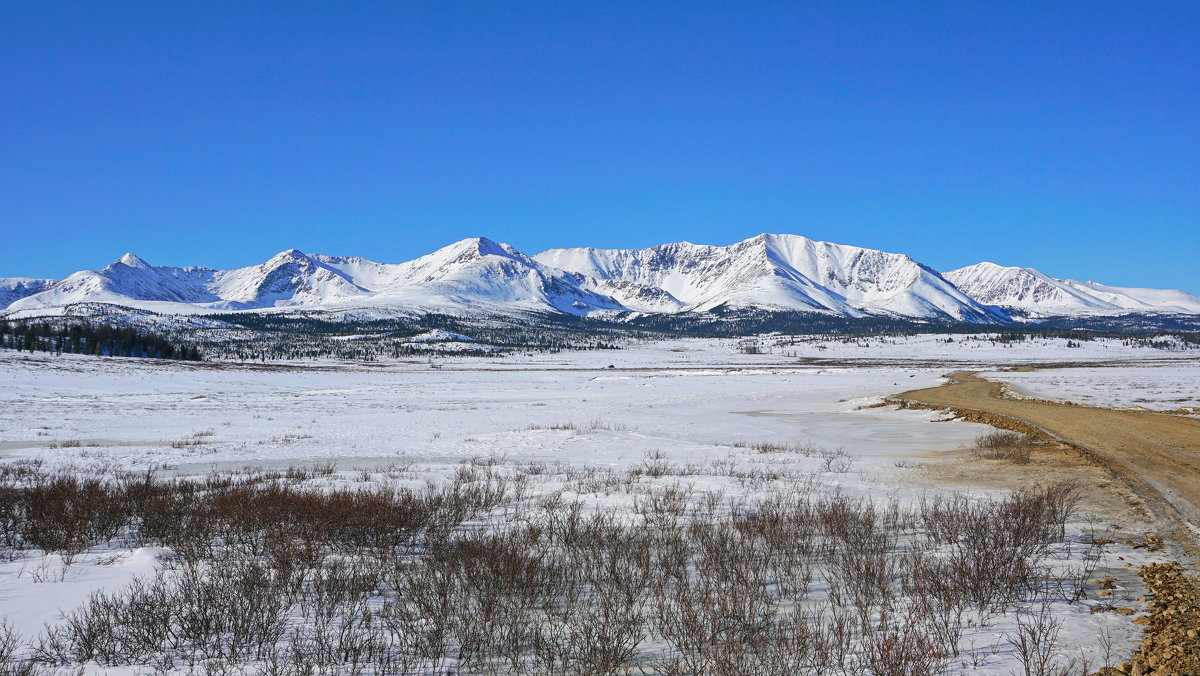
1157 455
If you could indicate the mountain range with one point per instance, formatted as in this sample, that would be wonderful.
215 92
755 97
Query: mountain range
480 276
1028 291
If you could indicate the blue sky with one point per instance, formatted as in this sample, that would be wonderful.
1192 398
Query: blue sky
1063 136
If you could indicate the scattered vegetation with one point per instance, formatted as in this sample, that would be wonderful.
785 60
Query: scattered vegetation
1006 445
594 425
251 336
306 572
267 337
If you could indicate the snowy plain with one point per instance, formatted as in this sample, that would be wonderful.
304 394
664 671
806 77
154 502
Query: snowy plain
1124 386
694 402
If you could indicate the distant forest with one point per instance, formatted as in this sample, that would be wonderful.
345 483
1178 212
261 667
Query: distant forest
248 336
102 339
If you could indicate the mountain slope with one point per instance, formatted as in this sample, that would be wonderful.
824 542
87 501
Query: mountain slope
1035 293
1143 300
785 272
129 278
289 278
473 275
476 274
482 277
13 289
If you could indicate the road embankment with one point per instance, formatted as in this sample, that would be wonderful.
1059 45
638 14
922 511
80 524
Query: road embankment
1156 455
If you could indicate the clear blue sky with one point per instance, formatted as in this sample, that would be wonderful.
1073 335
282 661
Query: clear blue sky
1063 136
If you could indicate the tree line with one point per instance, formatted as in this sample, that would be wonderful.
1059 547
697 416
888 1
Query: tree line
102 340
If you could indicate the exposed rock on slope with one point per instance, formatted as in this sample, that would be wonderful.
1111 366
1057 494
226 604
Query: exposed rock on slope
786 272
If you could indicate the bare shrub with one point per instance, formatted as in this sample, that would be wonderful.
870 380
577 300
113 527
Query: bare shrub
561 426
68 514
10 644
992 544
837 461
1036 641
805 448
231 612
1004 445
903 646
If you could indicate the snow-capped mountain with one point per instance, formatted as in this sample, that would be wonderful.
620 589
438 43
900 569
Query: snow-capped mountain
127 278
1035 293
288 278
1141 300
471 275
786 272
13 289
483 277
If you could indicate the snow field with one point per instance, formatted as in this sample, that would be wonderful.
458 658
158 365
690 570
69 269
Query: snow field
693 418
1159 387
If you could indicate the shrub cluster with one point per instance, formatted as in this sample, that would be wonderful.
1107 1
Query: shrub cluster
289 573
1005 445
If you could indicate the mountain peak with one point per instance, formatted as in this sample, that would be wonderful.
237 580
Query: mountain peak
132 261
996 268
477 247
484 247
1027 290
488 247
288 255
770 237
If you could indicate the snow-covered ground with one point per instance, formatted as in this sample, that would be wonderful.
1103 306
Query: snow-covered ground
679 397
977 350
687 402
142 414
1153 385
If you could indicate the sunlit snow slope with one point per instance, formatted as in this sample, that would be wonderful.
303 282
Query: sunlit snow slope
780 271
480 276
1033 292
471 275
